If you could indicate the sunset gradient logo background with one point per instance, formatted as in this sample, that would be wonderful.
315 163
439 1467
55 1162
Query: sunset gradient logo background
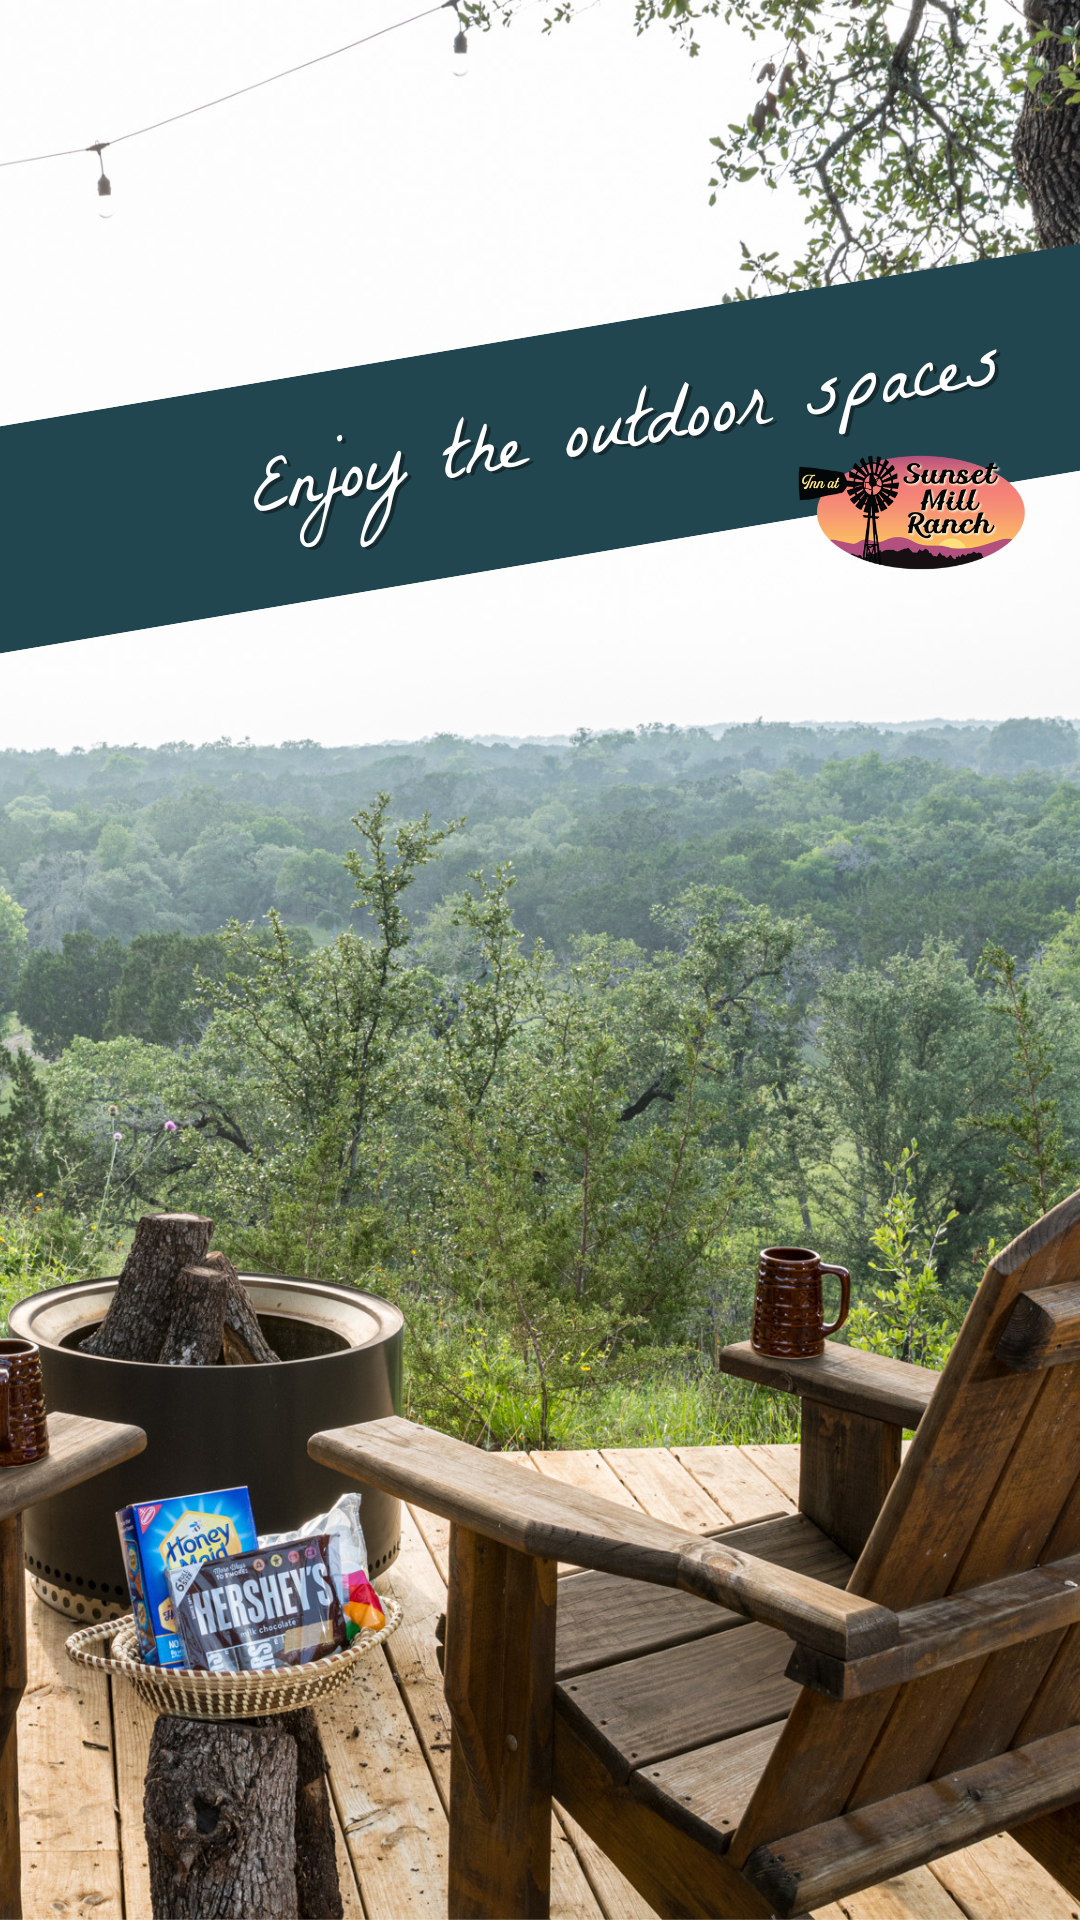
922 527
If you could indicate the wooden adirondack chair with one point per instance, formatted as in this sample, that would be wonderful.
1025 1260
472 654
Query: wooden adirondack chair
932 1696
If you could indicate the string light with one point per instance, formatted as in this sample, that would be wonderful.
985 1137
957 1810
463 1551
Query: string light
104 185
461 47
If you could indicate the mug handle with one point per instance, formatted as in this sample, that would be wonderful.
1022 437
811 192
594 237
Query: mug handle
5 1409
844 1278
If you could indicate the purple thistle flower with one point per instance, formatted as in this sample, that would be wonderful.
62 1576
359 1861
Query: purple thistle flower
170 1126
118 1136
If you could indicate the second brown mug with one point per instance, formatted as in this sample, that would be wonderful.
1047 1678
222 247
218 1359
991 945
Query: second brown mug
789 1316
24 1436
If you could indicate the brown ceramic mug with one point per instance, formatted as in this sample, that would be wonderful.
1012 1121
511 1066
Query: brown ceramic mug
24 1435
788 1311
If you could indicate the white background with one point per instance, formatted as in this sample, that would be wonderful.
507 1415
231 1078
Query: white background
378 206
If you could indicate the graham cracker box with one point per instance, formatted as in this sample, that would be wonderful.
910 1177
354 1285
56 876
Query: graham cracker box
160 1536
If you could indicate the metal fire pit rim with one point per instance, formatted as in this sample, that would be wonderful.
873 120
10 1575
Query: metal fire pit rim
389 1318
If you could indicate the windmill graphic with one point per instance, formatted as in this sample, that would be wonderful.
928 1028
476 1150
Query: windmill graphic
872 486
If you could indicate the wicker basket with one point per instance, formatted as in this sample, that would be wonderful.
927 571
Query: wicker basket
189 1694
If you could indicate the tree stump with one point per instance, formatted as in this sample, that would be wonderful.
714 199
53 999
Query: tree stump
238 1821
195 1333
245 1342
318 1894
220 1811
138 1319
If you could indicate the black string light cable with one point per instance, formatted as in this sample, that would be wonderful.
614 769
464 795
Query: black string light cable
104 185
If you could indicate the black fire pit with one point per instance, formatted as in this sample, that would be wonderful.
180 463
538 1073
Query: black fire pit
209 1427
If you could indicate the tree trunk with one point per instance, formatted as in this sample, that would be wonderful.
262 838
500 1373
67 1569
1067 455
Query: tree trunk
195 1332
137 1321
219 1810
318 1895
245 1343
1046 145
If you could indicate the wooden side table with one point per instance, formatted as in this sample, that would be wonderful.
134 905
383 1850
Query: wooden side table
78 1449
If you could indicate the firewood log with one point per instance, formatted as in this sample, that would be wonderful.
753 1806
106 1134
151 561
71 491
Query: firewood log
219 1810
245 1343
137 1320
238 1820
195 1333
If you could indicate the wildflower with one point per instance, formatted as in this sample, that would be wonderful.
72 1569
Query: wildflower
118 1136
170 1126
114 1110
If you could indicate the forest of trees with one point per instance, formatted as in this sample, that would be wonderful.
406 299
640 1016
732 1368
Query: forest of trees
544 1040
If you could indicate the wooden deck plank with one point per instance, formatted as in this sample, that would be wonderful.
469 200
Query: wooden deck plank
663 1487
589 1468
133 1724
780 1464
71 1885
738 1486
908 1896
391 1815
65 1746
997 1880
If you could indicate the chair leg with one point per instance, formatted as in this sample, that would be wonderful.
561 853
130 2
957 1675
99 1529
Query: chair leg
12 1685
1054 1841
500 1682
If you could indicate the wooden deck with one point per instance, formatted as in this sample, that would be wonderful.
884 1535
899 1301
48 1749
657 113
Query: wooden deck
83 1743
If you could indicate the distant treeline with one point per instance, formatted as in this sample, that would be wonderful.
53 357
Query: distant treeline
881 837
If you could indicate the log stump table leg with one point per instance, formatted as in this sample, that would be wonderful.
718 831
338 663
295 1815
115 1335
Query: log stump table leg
12 1686
500 1689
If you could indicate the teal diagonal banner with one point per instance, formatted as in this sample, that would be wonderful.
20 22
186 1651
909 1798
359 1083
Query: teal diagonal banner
525 450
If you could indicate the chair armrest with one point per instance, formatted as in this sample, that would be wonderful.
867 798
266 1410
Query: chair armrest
78 1449
551 1521
892 1391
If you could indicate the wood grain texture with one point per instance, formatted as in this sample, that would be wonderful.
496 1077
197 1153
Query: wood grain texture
680 1878
999 1880
385 1798
78 1448
847 1463
1043 1330
603 1620
711 1784
685 1697
500 1665
821 1863
65 1745
963 1626
495 1498
843 1377
739 1488
780 1465
663 1488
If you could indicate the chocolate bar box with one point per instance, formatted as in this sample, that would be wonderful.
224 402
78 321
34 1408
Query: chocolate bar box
277 1607
159 1536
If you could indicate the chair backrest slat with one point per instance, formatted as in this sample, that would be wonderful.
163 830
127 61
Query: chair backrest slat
989 1487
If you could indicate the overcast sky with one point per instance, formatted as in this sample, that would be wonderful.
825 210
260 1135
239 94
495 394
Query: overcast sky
378 206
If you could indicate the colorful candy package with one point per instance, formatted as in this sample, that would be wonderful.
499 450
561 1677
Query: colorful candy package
160 1536
360 1602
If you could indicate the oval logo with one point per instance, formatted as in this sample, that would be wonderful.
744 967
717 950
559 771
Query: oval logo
922 511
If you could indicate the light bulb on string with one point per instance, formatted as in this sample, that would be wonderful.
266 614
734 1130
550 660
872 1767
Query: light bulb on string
461 46
104 185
